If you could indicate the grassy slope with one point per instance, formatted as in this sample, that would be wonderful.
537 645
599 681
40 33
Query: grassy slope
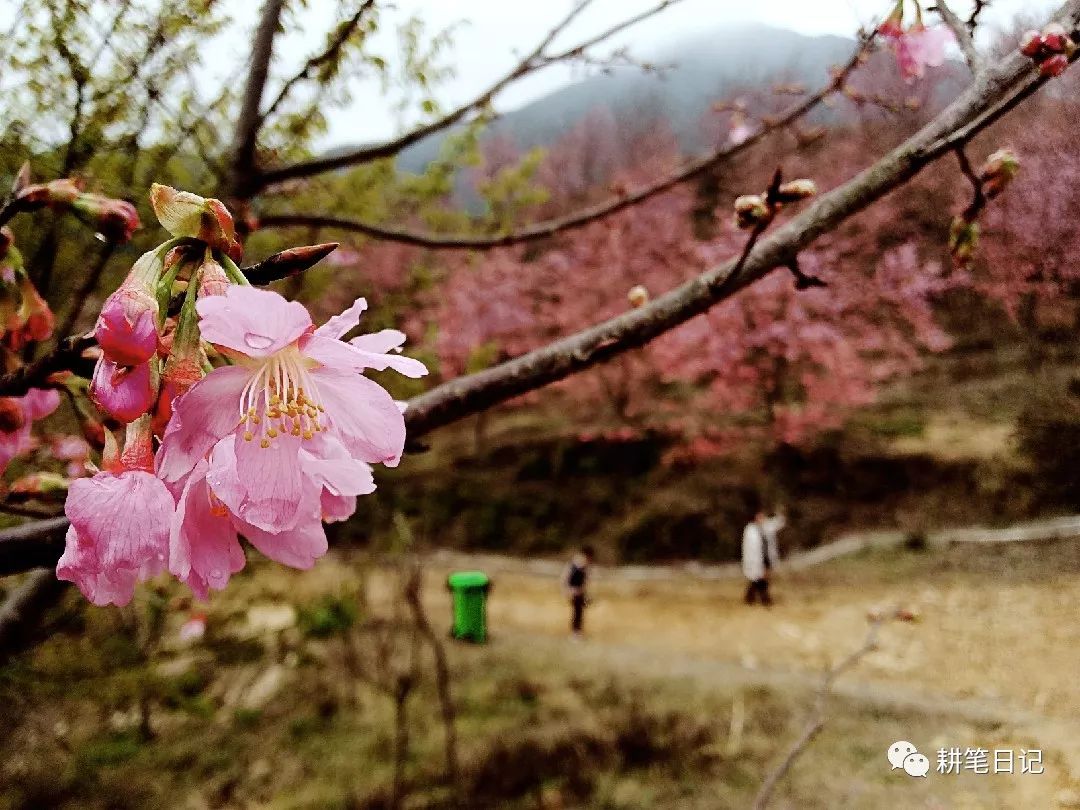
642 715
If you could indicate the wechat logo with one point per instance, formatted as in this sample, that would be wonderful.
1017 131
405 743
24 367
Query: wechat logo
903 754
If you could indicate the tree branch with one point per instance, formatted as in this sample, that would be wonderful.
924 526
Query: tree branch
242 167
817 717
586 216
331 52
533 61
994 92
963 36
23 609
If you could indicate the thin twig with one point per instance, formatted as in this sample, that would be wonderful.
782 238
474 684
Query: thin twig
586 216
331 52
963 36
533 61
818 716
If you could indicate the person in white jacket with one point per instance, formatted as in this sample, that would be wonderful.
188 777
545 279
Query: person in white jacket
760 554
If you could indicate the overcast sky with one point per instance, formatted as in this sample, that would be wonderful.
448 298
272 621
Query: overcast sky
492 31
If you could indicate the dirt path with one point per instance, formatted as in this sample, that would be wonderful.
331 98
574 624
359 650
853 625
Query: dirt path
996 645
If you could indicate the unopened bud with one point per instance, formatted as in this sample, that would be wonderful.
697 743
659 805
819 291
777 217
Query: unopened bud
751 210
126 329
212 278
55 194
795 190
1000 168
1055 38
1031 43
963 240
182 213
115 220
1055 65
638 296
12 416
289 262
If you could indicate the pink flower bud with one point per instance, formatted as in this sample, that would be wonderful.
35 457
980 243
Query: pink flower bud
55 194
1055 38
116 220
1031 44
126 330
36 317
212 278
125 393
12 416
1055 65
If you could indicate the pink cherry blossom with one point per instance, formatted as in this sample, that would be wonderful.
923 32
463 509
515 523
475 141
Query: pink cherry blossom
16 417
295 413
918 48
124 392
119 534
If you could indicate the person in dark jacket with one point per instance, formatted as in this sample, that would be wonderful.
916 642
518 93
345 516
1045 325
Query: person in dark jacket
575 578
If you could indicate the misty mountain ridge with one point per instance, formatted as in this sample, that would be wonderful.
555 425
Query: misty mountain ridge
698 70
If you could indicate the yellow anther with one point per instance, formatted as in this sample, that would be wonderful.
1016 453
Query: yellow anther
272 433
264 443
248 436
255 419
308 434
295 431
274 399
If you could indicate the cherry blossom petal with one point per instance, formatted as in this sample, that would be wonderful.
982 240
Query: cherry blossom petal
298 548
202 416
203 548
339 325
336 508
250 321
345 357
364 416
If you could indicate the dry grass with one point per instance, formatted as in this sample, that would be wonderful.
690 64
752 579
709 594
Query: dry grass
644 714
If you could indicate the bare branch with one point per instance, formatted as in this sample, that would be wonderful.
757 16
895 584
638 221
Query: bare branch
533 61
23 609
818 716
586 216
973 20
242 167
331 52
963 36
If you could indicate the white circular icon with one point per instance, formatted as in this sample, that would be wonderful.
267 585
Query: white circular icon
916 765
899 751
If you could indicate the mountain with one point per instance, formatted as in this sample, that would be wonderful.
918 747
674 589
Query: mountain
702 69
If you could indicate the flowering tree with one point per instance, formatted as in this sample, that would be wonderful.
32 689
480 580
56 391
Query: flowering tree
211 378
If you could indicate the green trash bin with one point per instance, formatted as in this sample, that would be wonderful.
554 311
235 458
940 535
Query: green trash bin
469 590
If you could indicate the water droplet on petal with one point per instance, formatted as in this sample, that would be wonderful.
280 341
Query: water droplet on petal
257 341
